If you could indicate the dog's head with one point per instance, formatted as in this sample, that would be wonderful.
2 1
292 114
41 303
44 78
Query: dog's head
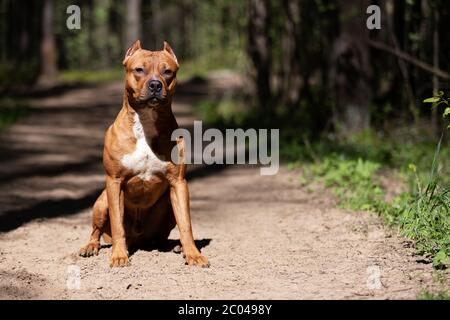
150 78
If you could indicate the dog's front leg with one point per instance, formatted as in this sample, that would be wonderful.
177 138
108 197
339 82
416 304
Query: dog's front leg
179 197
115 196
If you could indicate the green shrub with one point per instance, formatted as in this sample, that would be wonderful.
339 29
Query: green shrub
350 180
422 214
427 295
90 76
222 113
349 167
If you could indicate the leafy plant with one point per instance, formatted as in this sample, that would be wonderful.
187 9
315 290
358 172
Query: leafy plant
223 113
427 295
351 180
350 168
440 99
422 214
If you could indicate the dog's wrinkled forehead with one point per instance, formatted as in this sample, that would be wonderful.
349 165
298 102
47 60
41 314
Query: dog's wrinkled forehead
138 57
151 60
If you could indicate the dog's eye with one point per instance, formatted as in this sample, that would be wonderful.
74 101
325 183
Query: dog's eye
139 70
168 72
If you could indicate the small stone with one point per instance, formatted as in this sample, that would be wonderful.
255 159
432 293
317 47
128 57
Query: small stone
177 249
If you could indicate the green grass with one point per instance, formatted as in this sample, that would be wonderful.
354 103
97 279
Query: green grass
200 66
351 168
421 214
90 76
351 180
390 151
10 111
427 295
223 113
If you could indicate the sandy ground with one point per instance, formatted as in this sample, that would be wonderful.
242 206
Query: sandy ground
267 237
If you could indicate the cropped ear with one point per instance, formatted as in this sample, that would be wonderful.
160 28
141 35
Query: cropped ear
169 50
131 50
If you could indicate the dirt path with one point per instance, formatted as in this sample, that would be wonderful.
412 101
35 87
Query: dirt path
266 236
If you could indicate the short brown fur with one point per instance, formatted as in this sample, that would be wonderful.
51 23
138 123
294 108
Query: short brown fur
132 211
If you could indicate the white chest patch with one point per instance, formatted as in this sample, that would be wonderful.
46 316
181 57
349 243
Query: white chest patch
143 161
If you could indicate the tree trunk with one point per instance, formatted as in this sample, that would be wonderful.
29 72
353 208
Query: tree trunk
186 26
434 113
101 34
351 69
133 22
48 48
156 23
259 49
396 11
291 44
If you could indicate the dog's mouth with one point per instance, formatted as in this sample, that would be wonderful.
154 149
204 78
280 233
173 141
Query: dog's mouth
153 99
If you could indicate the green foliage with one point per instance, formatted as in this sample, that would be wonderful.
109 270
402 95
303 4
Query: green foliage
425 219
217 25
350 167
422 213
12 75
90 76
441 259
440 99
98 44
427 295
350 180
428 219
446 112
214 59
222 113
431 100
396 151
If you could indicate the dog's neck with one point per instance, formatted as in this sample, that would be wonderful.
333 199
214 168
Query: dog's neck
155 122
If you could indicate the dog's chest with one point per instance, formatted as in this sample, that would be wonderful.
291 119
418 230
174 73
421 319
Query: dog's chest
143 161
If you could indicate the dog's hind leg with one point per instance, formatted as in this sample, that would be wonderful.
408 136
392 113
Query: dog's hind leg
100 224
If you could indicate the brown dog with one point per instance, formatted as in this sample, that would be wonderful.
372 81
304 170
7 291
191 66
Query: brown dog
146 193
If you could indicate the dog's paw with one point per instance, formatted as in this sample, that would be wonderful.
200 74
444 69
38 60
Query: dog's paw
197 260
119 258
89 250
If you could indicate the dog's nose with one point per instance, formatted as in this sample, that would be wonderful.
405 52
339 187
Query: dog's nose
155 86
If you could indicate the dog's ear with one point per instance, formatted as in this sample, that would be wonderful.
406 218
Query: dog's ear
131 50
169 50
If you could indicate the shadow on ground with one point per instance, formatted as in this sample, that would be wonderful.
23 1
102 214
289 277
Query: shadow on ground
169 245
51 160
